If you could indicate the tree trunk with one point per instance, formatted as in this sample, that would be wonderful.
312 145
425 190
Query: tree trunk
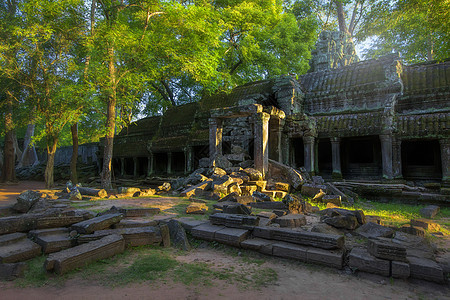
92 192
29 155
341 16
18 153
74 158
8 172
110 123
51 150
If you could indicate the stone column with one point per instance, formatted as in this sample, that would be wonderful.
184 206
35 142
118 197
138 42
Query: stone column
276 129
386 156
135 166
308 144
316 157
187 160
336 157
285 149
169 162
215 139
150 165
122 166
261 142
445 159
397 158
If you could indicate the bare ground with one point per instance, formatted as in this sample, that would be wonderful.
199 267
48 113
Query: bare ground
295 280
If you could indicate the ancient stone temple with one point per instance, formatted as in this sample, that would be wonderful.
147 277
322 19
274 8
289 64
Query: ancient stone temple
373 120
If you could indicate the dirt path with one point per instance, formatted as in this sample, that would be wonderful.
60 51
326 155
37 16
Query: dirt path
9 192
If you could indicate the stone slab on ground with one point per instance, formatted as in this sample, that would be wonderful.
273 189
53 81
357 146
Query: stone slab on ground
373 230
135 223
427 269
52 240
97 223
400 269
189 223
385 249
27 222
361 260
429 211
235 221
331 258
426 224
139 212
206 231
310 190
231 236
137 236
268 205
261 245
76 257
413 230
178 236
314 239
289 250
291 220
16 247
196 208
10 272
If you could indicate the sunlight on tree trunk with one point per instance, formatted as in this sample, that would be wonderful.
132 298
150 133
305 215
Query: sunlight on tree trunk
51 151
74 158
8 172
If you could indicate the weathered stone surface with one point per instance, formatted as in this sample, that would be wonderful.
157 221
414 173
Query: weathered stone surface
190 191
282 186
75 194
196 208
361 260
230 197
311 190
195 178
206 231
325 228
52 240
289 250
16 247
189 223
233 220
128 190
266 214
372 230
261 197
268 205
234 188
336 200
418 231
295 178
78 256
28 222
178 235
216 172
235 158
260 185
426 269
374 219
344 222
294 204
254 174
231 236
291 220
332 212
261 245
426 224
26 200
319 196
238 208
385 249
429 211
223 162
330 258
164 188
138 236
97 223
135 223
165 235
248 190
400 269
315 239
10 272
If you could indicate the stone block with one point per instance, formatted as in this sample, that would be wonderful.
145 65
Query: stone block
268 205
196 208
135 223
139 212
325 228
373 230
385 249
165 235
137 236
237 208
178 236
26 200
16 247
97 223
426 224
417 231
245 199
279 194
314 239
76 257
291 220
344 222
361 260
190 191
232 197
248 190
282 186
336 200
235 221
266 214
10 272
400 269
429 211
289 250
189 223
231 236
260 245
128 190
330 258
29 222
422 268
254 174
260 185
206 231
311 190
374 219
52 240
262 196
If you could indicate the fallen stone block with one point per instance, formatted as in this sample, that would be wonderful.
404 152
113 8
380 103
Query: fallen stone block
138 236
422 268
400 269
60 221
361 260
10 272
261 245
311 190
262 196
139 212
52 240
76 257
235 221
426 224
135 223
314 239
206 231
336 200
373 230
413 230
16 247
325 228
231 236
385 249
239 209
374 219
229 198
97 223
178 236
196 208
26 200
190 191
282 186
266 214
254 174
344 222
268 205
165 235
189 223
128 190
429 211
288 250
294 177
248 190
291 220
27 222
330 258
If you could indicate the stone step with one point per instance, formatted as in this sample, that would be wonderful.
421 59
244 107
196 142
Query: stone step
291 220
206 231
17 248
76 257
138 236
139 212
55 242
260 185
268 205
422 268
385 249
231 236
51 231
314 239
361 260
135 223
27 222
233 220
275 193
97 223
9 272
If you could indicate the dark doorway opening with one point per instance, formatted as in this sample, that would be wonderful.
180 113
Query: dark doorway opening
298 152
421 159
116 166
129 166
324 158
199 153
178 162
142 166
160 163
361 158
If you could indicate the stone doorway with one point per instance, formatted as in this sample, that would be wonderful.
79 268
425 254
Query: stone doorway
160 163
324 157
298 152
421 160
361 158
